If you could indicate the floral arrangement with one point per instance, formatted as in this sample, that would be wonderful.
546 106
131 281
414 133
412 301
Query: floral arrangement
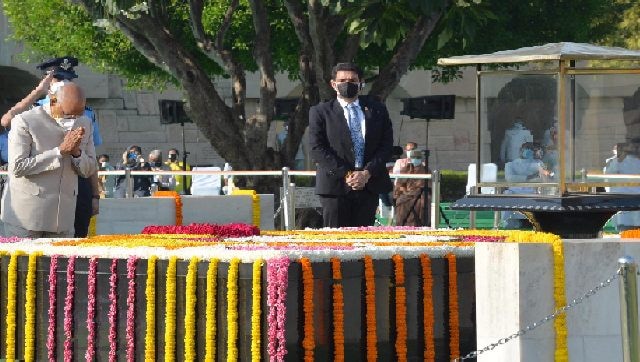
274 250
233 230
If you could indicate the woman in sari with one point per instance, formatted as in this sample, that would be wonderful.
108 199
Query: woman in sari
409 193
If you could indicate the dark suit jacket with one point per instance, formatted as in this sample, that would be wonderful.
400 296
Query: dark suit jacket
332 149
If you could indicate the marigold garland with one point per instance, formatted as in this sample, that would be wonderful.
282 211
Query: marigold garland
91 310
190 311
454 320
131 308
337 311
401 309
210 333
150 293
232 310
12 281
92 225
370 314
560 323
256 310
178 200
30 310
68 309
113 310
51 329
427 309
170 312
561 352
308 342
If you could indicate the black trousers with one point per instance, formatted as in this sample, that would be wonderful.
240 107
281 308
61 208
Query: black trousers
83 208
357 208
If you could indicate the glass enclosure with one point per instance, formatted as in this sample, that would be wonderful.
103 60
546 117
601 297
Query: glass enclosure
592 146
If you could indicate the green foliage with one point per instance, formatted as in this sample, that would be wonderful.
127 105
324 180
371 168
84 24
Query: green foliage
468 26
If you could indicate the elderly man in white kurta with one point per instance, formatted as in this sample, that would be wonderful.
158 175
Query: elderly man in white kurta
49 146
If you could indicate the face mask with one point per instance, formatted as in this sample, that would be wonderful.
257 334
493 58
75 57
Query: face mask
348 89
527 154
416 161
104 164
173 157
615 152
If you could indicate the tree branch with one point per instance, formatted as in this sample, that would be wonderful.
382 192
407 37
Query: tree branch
323 57
405 55
350 49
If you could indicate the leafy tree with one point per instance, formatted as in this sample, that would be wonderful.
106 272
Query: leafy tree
191 42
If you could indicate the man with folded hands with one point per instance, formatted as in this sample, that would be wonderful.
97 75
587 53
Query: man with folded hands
48 148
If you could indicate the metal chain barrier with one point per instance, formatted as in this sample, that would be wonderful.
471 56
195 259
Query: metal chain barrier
544 320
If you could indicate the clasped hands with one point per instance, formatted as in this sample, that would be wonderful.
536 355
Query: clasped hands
71 143
357 179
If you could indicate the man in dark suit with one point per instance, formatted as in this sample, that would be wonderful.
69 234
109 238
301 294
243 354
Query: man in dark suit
351 140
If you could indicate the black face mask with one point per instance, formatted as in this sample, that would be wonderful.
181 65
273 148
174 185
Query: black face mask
173 157
348 89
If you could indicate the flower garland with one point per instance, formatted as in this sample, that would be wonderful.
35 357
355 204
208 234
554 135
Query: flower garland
255 203
150 293
561 352
51 329
232 230
91 309
630 234
427 309
170 312
232 310
92 225
210 331
30 310
454 320
277 283
68 309
256 310
337 311
401 309
131 308
370 313
308 343
190 311
178 201
113 310
12 281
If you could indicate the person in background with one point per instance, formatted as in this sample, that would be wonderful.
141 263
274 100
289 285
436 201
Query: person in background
49 146
58 72
529 167
107 182
627 162
175 165
351 139
162 182
409 193
401 163
4 146
132 159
